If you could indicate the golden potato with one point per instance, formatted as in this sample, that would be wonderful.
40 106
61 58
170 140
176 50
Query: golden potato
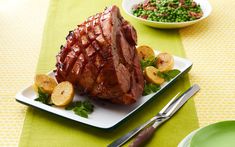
165 62
151 75
63 94
45 83
145 52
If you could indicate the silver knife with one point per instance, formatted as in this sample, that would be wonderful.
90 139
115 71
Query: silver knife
148 128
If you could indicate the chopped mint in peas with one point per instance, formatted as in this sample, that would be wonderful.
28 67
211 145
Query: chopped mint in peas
168 10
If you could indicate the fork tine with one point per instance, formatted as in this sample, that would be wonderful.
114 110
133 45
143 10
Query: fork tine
169 103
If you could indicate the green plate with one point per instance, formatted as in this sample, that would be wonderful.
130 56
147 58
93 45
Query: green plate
220 134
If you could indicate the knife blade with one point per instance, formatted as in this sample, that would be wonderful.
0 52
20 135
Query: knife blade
166 113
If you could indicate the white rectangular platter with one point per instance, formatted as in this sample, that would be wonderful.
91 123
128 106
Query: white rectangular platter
105 115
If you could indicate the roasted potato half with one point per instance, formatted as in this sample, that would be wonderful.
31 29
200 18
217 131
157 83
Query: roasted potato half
63 94
151 75
165 62
145 52
45 83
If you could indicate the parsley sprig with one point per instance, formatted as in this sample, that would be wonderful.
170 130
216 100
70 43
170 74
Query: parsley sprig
150 88
147 62
167 76
81 108
43 97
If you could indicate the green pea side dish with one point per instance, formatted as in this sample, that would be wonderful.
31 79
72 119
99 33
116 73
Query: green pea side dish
168 10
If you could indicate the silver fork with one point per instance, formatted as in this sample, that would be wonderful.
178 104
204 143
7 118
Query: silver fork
170 109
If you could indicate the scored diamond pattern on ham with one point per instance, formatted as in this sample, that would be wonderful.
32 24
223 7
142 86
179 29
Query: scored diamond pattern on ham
100 58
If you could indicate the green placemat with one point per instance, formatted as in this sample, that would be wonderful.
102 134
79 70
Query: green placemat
44 129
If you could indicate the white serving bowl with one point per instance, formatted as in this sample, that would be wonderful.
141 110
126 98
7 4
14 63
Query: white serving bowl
128 4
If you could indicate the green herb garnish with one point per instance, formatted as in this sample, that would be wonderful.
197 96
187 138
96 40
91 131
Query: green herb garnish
150 88
43 97
169 74
81 108
72 105
147 62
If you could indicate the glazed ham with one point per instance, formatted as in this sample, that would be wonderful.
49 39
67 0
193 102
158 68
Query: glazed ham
100 59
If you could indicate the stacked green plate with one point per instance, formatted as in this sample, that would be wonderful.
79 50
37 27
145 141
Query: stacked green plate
221 134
